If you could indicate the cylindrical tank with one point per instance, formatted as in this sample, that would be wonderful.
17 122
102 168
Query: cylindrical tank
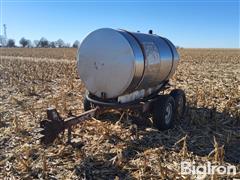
112 63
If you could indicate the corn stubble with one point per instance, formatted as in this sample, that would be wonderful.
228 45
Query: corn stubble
113 146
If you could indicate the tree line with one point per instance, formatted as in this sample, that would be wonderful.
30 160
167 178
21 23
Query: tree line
42 43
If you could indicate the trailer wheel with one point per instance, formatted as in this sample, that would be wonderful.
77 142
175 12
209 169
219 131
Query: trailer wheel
163 112
86 104
180 102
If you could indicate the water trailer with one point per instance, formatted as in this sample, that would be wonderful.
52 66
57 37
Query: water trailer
123 70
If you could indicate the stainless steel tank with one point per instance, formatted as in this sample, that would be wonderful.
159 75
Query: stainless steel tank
113 63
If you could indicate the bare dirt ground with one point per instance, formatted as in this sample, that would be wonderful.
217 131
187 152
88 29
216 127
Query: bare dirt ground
33 79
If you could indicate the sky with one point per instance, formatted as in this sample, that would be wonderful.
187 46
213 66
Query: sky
189 24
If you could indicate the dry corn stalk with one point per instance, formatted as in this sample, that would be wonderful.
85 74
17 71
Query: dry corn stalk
44 164
184 145
217 151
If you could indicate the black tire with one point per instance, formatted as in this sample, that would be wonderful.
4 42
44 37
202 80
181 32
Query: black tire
163 112
180 102
86 104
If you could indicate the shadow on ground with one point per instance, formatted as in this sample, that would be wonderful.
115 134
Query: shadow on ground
92 167
200 125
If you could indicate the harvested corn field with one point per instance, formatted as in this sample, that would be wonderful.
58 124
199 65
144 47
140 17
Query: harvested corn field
52 53
116 146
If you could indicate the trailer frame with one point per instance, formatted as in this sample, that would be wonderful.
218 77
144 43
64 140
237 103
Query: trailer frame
54 125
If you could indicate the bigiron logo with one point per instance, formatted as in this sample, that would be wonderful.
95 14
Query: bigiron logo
191 168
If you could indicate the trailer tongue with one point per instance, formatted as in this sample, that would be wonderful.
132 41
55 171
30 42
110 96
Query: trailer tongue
51 127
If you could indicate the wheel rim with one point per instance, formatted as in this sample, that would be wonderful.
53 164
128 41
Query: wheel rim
168 114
